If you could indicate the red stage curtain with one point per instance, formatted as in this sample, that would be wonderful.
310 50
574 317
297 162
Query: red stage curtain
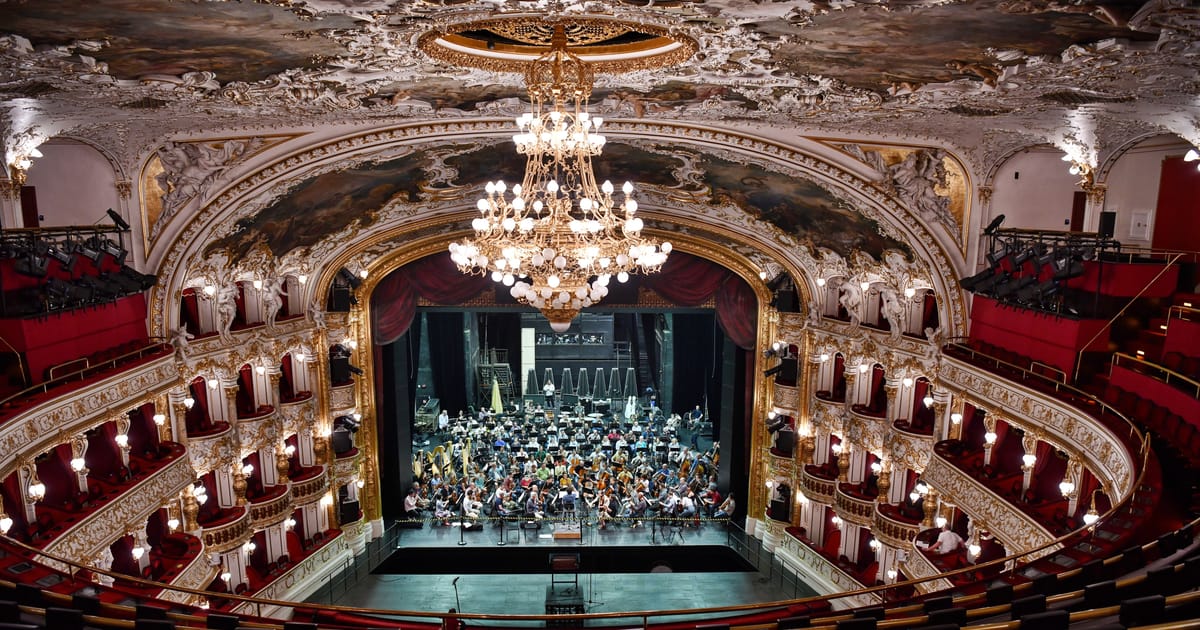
737 311
1177 216
435 278
687 280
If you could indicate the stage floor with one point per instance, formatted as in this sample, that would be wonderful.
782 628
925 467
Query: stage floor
640 571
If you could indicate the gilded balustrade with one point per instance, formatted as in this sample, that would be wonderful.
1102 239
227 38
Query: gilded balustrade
917 566
816 488
853 509
309 490
893 532
226 536
270 512
258 432
212 451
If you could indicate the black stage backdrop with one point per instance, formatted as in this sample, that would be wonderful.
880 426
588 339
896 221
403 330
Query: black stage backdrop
447 359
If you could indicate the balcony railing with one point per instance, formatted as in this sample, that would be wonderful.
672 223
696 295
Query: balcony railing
230 534
815 487
893 530
270 511
853 509
305 492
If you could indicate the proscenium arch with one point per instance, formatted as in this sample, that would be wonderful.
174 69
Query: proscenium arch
437 244
289 163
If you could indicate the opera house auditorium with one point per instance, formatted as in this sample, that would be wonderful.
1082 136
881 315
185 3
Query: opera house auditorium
331 314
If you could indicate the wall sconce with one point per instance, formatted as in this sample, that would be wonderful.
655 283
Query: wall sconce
250 546
6 522
77 464
820 282
212 383
940 522
300 357
360 483
258 285
327 500
876 467
363 273
260 370
226 576
160 419
302 278
974 548
1066 488
138 551
172 523
770 484
989 438
824 357
1029 460
351 343
189 402
907 382
956 417
836 448
928 400
874 545
863 367
290 523
836 521
801 499
1091 516
248 469
209 290
289 450
122 440
201 494
909 292
891 575
865 286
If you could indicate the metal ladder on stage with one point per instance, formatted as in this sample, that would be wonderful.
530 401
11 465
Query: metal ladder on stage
493 363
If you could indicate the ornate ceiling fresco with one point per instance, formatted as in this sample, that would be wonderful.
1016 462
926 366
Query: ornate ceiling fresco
925 96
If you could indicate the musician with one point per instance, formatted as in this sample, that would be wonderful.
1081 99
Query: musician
412 504
605 508
534 505
441 509
637 508
443 421
727 507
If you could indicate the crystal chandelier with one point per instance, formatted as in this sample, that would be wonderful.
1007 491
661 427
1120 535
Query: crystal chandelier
559 238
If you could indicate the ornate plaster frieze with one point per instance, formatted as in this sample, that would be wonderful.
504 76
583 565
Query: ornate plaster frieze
97 531
917 567
198 574
258 432
821 574
1018 531
1060 423
41 427
907 450
786 397
865 431
296 582
213 451
341 399
345 469
241 198
297 416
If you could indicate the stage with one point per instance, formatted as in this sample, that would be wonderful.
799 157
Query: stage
619 569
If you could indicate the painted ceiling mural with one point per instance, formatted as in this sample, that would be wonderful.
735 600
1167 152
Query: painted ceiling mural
973 77
327 203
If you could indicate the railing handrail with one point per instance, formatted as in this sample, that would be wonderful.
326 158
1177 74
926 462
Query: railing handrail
1109 323
1193 383
49 384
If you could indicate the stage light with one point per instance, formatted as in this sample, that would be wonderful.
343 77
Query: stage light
117 220
355 370
348 278
34 264
85 249
775 370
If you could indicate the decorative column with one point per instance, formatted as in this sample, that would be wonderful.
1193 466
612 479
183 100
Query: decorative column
140 548
79 446
952 430
929 507
191 511
239 483
884 483
122 438
989 438
231 392
844 460
283 462
1070 484
895 396
1029 443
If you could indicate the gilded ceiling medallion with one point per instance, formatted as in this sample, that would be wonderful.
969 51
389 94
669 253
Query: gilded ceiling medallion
510 43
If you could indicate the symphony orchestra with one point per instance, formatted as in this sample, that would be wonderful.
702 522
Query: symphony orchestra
602 467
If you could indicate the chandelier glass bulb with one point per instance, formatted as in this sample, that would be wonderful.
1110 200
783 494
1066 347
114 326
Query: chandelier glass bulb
559 237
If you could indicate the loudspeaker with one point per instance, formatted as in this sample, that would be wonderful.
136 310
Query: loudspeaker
1108 224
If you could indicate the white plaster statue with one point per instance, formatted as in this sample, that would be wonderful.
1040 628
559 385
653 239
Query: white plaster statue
227 307
272 299
916 178
180 338
317 315
893 312
851 299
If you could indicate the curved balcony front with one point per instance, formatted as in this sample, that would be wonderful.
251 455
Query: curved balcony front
853 509
229 533
260 430
309 490
815 486
892 528
271 509
212 451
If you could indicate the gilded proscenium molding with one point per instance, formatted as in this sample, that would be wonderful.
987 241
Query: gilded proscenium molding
917 567
97 531
1057 421
222 538
309 490
198 574
40 428
823 575
270 512
213 451
1018 531
892 216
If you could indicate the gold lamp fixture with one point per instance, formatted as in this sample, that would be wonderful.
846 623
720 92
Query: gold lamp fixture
558 238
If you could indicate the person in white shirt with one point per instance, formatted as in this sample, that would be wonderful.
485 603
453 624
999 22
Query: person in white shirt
947 541
443 421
